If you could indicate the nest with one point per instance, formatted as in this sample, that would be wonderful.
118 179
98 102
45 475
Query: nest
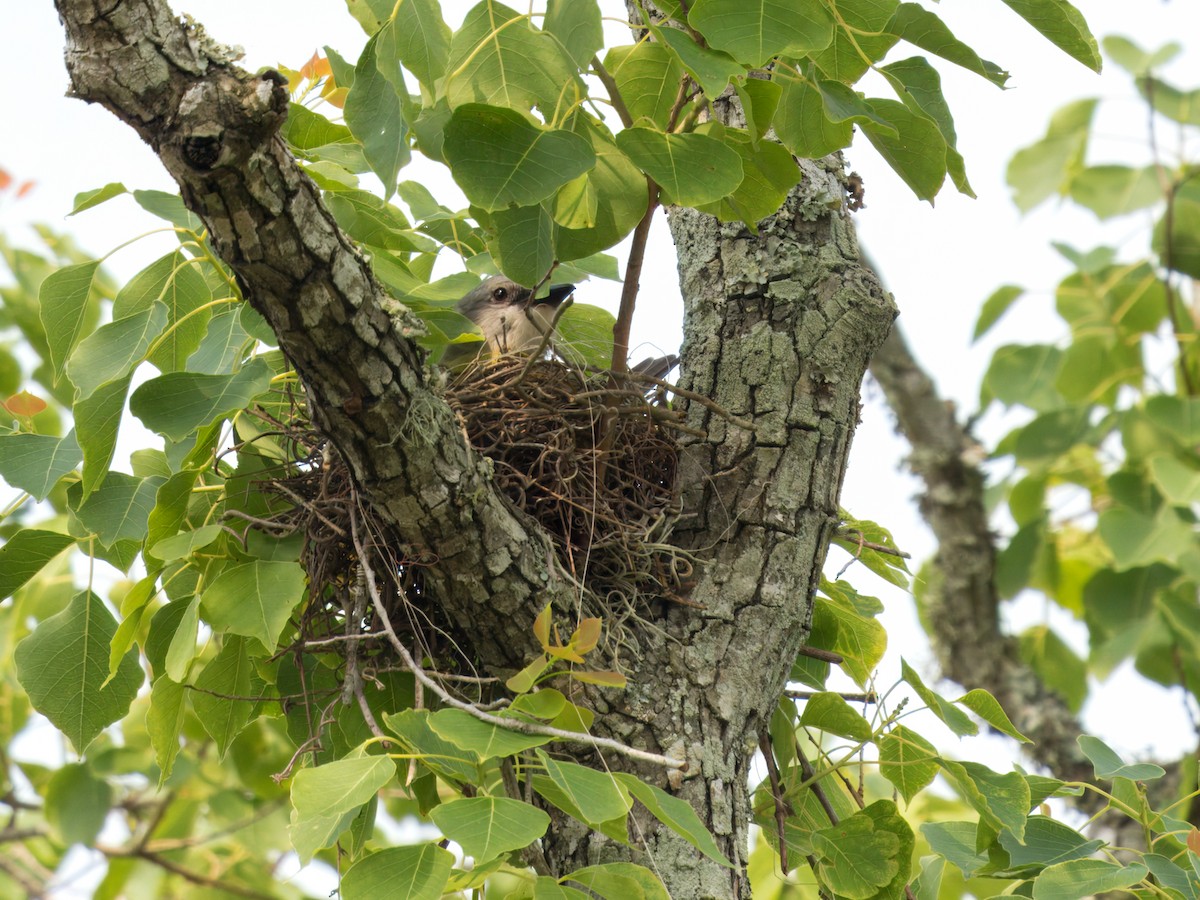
591 460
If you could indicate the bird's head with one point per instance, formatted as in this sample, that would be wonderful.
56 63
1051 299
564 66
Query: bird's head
511 318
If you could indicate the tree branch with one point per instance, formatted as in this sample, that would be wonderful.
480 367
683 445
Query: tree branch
215 128
963 618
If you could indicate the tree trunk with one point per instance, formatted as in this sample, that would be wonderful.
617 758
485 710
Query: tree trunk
780 325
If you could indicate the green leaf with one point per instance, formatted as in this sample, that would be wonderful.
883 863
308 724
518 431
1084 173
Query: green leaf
1171 876
577 26
438 754
1138 539
1048 167
1002 801
1109 765
1175 232
620 881
418 873
486 827
618 209
500 158
954 718
1085 878
180 545
35 462
308 130
585 333
325 799
861 37
754 31
226 676
598 796
1133 59
63 666
801 121
692 169
522 243
759 99
1025 374
1063 25
985 706
856 858
222 346
164 722
180 403
178 282
956 842
119 509
907 760
546 888
928 884
25 554
917 153
507 63
648 76
182 647
96 196
1112 190
481 739
255 599
769 173
924 29
77 803
169 207
1055 664
995 306
419 39
829 712
62 305
374 116
861 640
1047 842
676 814
111 351
711 68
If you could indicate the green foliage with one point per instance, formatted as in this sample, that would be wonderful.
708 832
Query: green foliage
239 747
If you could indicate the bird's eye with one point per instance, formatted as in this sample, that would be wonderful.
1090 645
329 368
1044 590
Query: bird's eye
500 294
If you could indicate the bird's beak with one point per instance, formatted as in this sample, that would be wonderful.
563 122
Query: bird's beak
556 295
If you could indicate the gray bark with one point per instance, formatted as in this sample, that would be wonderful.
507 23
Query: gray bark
779 328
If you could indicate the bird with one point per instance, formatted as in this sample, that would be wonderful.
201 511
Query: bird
510 318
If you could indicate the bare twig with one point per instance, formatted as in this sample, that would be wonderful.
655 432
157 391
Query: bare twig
777 793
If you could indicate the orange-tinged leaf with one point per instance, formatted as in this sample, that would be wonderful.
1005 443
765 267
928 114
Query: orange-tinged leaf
541 627
568 653
25 188
334 95
604 679
24 404
316 67
1193 840
586 636
5 179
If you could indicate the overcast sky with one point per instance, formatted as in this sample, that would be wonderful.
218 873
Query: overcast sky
940 262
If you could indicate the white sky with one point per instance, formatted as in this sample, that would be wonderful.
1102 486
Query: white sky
941 263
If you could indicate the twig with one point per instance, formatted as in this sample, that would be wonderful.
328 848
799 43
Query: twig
863 544
824 655
633 272
781 811
707 402
614 93
184 873
510 724
868 697
814 785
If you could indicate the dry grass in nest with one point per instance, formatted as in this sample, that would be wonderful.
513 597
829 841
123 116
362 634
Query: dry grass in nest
591 460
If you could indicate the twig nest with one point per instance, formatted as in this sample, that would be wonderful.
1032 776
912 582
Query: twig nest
589 457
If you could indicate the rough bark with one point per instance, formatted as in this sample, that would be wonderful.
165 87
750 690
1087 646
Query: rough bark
779 327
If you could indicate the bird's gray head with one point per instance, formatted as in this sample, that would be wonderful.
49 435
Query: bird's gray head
511 319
